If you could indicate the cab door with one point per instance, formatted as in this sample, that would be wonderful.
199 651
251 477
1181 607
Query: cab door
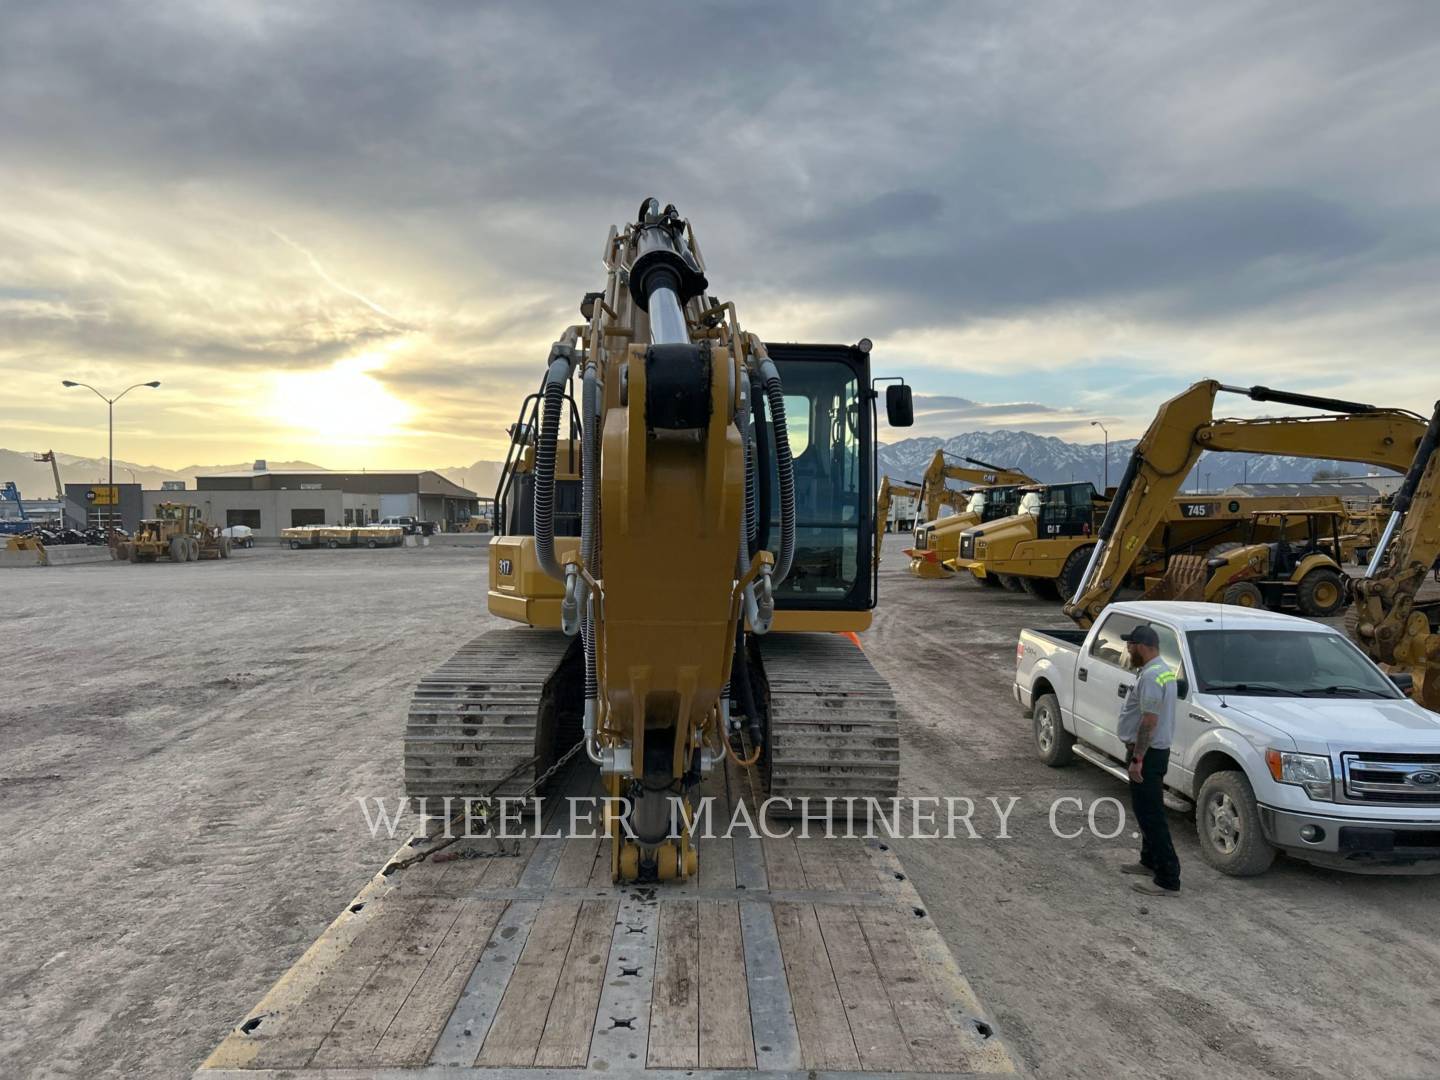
1104 679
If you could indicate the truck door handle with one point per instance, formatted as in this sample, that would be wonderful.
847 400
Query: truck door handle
1200 716
1082 675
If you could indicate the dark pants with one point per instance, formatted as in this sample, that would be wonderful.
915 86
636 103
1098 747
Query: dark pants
1147 798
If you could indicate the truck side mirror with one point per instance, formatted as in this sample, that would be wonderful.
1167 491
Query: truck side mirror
899 405
1182 688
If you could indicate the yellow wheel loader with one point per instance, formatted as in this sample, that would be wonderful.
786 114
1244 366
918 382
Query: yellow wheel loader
684 527
1387 620
1186 426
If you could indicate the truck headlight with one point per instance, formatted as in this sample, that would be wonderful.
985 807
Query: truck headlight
1310 771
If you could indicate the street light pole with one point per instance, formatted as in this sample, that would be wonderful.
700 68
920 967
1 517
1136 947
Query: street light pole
1104 483
110 409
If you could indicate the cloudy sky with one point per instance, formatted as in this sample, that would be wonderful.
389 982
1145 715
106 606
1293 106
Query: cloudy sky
348 232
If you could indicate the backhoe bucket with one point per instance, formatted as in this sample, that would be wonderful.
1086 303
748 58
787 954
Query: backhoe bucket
1184 579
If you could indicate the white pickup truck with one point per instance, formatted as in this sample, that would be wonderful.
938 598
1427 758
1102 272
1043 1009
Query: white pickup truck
1287 737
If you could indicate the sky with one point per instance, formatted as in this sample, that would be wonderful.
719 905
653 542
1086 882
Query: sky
348 232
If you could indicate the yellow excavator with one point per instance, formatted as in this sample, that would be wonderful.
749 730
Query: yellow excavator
686 538
937 538
884 500
1186 426
1386 620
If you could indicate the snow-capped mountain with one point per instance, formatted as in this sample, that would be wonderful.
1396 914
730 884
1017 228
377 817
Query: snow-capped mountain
1053 460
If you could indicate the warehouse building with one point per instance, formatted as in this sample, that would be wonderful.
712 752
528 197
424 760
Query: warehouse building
269 501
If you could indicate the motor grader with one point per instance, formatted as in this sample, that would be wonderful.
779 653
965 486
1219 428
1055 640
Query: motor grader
1186 426
684 525
176 532
1387 619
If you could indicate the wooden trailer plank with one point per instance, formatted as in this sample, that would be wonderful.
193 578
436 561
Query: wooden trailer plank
576 862
469 1022
782 863
879 1041
417 1026
726 1041
675 1006
571 1023
825 1041
358 1031
515 1034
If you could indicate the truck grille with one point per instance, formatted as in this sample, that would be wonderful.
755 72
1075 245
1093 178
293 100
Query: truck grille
1391 778
967 547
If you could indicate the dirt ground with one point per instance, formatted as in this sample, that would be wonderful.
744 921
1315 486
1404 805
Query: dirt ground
181 748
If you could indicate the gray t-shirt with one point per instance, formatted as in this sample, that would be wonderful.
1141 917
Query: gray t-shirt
1154 693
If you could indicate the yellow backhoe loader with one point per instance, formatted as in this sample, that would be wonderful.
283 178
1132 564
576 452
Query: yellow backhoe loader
1386 620
1289 559
687 539
1183 428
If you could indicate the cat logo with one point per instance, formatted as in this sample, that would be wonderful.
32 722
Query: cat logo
504 567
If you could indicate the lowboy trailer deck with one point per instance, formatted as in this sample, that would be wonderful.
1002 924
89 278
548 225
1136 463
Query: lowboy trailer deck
792 958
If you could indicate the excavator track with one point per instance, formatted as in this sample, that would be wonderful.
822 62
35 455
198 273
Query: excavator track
481 715
834 723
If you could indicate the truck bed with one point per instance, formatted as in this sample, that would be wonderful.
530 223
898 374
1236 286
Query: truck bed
794 958
1070 638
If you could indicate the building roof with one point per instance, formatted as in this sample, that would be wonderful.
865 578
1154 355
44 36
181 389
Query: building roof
1343 488
423 481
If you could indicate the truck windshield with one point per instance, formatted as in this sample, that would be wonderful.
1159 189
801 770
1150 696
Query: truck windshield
1284 663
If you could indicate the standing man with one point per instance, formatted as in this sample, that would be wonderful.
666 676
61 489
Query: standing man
1147 726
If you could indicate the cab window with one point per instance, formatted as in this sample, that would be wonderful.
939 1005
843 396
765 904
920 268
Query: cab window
1108 647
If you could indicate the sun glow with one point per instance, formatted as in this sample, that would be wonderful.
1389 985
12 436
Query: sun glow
344 402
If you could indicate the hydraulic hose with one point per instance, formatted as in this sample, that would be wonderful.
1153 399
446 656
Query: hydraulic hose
552 395
784 469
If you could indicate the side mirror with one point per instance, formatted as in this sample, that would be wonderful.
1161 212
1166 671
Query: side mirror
1403 680
899 405
1182 688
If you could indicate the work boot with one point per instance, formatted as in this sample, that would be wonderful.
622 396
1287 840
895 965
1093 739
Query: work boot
1139 869
1149 888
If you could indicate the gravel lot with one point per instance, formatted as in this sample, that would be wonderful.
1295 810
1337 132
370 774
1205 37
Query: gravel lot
181 748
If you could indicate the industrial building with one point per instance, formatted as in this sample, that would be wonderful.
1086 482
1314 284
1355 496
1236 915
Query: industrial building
269 501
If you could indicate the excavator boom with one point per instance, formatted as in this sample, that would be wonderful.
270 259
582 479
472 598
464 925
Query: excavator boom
1185 427
1385 620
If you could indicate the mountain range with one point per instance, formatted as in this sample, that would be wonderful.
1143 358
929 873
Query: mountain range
1048 459
1052 460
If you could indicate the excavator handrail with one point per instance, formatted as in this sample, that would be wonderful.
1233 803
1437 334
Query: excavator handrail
1185 426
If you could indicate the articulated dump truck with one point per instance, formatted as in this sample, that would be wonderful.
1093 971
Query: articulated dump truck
683 544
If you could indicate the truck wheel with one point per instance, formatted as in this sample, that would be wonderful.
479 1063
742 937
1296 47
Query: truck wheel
224 547
179 551
1009 582
1069 580
1320 593
1054 744
332 543
192 545
294 545
989 579
1040 588
1228 821
1244 594
370 543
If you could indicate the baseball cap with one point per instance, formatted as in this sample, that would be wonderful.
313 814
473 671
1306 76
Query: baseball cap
1144 634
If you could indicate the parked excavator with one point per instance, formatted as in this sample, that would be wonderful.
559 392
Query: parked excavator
1186 426
1386 620
884 500
687 540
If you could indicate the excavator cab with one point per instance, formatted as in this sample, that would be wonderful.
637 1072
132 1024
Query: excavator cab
832 439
